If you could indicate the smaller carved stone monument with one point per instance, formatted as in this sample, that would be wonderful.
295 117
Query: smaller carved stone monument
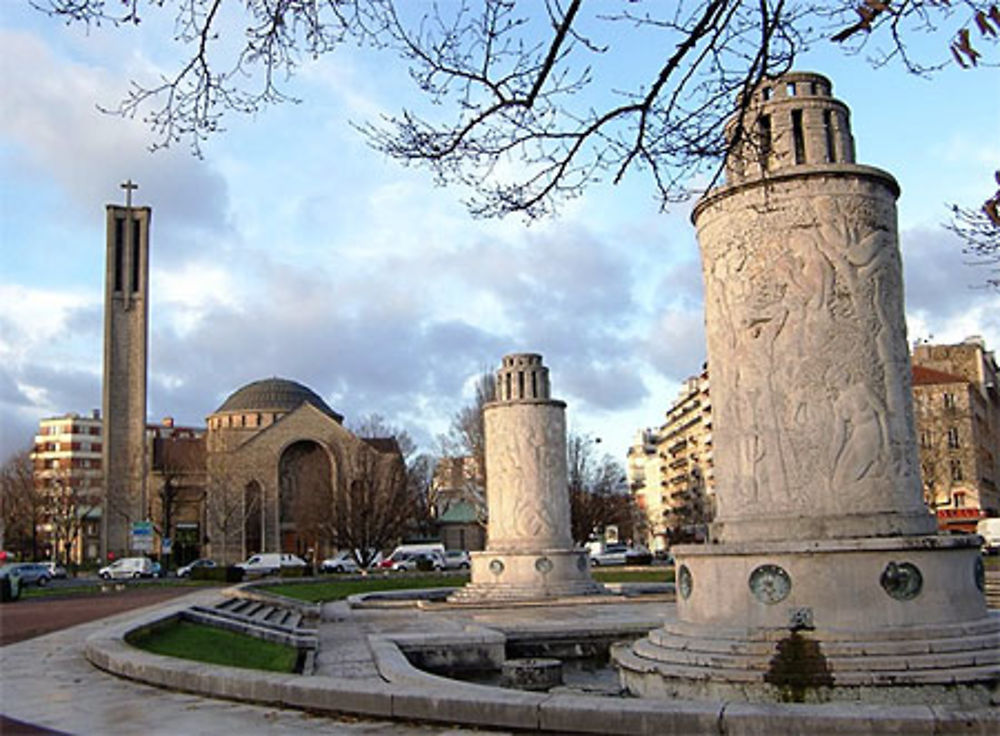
529 553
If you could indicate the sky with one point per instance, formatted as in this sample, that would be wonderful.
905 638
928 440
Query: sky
293 249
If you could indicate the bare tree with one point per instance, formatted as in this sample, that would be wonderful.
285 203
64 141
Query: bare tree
21 505
371 506
374 426
226 512
68 502
178 472
509 84
419 468
979 231
598 497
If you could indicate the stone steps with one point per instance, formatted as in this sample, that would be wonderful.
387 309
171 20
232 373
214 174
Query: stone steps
269 621
992 588
937 655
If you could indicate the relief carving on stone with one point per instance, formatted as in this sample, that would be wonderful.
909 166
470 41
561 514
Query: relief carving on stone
527 491
808 356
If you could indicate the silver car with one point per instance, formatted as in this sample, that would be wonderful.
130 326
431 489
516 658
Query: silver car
30 572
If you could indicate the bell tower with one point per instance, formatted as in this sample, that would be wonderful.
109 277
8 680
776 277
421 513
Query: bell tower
126 337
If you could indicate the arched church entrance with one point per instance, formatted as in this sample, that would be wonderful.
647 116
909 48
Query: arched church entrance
305 495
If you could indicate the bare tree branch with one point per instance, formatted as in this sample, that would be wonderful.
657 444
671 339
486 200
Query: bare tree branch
518 107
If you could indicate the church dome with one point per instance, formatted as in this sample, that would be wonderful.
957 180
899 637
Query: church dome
274 395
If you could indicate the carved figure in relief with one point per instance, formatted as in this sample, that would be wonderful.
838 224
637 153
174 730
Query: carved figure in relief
508 482
860 436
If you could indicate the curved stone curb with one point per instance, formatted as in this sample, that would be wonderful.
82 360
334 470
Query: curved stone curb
415 695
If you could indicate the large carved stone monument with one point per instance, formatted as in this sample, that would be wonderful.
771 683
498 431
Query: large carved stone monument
529 552
825 578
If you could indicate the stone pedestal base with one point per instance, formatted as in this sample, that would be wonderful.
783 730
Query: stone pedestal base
880 620
517 575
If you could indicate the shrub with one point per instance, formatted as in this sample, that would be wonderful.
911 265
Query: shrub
425 563
9 590
639 558
295 572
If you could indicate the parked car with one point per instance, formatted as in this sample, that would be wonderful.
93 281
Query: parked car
56 571
340 562
411 549
612 554
268 563
638 555
456 559
185 570
431 560
127 567
989 530
30 572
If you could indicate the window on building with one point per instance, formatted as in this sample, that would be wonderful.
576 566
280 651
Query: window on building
925 438
949 401
958 500
956 470
953 437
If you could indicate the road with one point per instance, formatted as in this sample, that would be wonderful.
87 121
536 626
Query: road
30 617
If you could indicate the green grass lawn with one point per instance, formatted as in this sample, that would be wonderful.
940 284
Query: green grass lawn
335 590
645 575
94 587
216 646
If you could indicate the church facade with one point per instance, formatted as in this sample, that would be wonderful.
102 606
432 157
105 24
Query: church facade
262 477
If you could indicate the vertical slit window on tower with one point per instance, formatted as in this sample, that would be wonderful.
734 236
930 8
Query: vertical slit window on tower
764 138
766 93
509 395
135 255
790 88
797 137
520 384
831 155
119 251
534 385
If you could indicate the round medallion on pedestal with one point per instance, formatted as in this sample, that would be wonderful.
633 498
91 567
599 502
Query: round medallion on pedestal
496 566
770 584
684 582
902 580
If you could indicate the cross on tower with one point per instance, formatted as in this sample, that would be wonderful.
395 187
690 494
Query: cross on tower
128 186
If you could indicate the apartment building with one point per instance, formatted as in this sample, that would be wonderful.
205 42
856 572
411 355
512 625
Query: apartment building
957 410
66 459
670 469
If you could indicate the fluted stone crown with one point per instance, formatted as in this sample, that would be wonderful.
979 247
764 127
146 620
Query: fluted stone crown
791 121
522 377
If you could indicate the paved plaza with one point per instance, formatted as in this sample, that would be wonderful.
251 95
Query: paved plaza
47 682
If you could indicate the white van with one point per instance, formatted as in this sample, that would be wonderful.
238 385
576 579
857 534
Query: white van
127 567
270 562
404 553
989 530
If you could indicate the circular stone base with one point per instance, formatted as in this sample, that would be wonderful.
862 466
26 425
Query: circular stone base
881 620
504 575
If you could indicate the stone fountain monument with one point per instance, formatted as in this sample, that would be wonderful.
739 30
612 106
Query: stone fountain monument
529 553
825 578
